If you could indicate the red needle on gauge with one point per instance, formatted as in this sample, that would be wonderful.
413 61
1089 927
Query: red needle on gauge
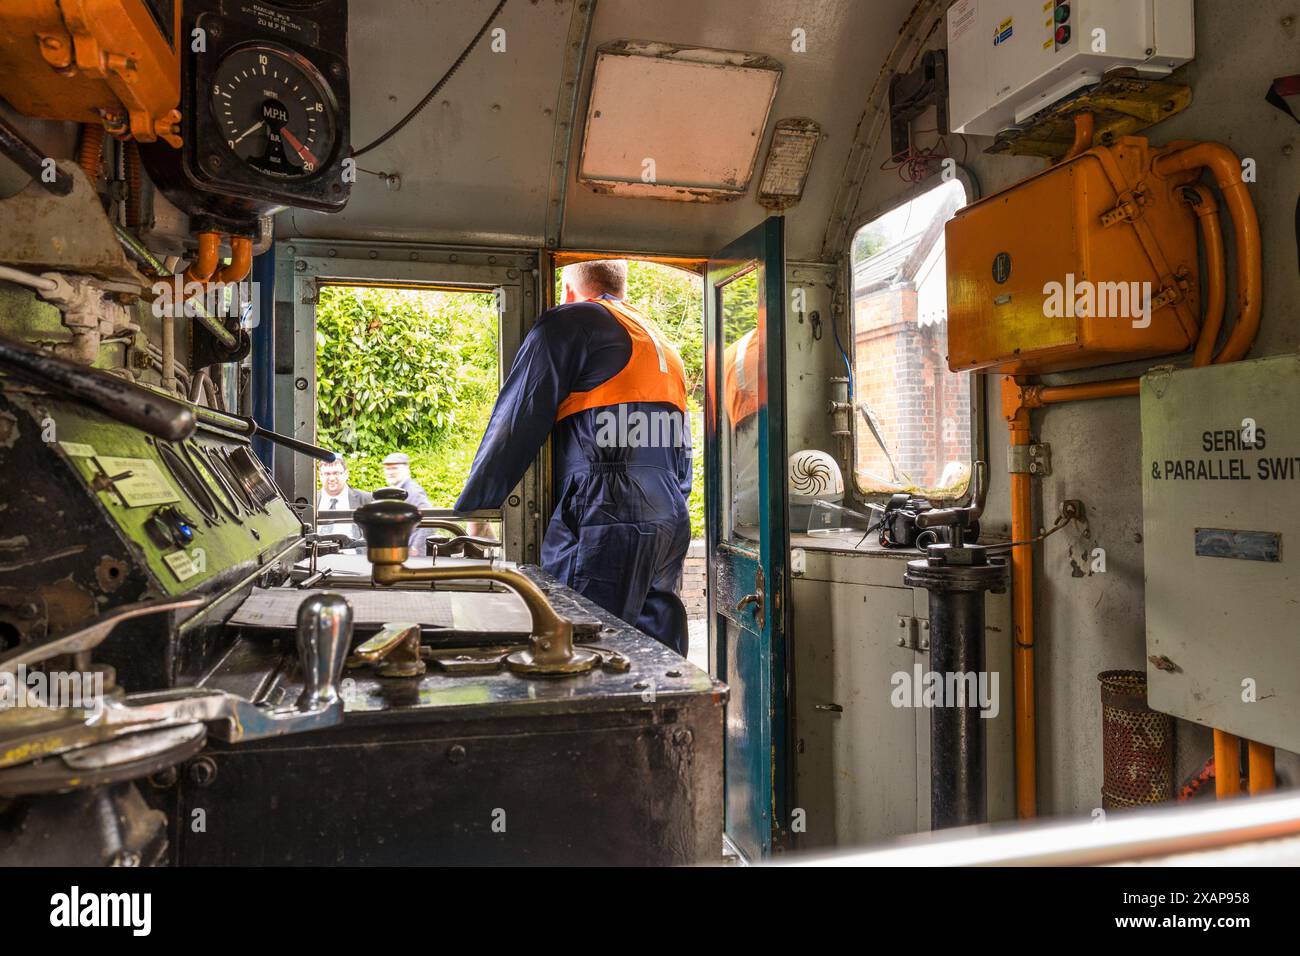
303 152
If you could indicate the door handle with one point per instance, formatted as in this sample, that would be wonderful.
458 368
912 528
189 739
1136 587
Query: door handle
753 601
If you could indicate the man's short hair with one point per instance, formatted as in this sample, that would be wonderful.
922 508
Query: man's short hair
598 277
334 461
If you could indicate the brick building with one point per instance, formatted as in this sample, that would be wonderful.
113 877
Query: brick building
900 366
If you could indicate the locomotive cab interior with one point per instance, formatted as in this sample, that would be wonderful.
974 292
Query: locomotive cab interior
991 331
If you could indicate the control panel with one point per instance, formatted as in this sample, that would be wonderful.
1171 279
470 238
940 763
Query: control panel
117 517
1008 59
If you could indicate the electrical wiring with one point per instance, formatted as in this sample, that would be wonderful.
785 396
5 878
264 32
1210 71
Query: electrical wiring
916 164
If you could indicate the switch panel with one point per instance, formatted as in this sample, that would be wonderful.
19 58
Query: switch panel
1221 482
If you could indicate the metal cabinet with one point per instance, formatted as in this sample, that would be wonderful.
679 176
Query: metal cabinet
861 763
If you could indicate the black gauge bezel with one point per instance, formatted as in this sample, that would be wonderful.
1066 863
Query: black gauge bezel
205 178
326 94
222 466
223 494
190 484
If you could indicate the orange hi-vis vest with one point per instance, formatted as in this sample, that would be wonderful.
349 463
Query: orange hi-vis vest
654 373
740 378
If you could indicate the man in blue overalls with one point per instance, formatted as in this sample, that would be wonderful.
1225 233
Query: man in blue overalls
600 378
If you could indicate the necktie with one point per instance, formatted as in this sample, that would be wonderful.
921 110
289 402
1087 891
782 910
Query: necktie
334 505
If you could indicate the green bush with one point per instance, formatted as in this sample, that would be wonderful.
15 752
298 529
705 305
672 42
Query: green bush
406 370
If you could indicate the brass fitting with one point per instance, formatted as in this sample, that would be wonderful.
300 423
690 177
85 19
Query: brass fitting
387 525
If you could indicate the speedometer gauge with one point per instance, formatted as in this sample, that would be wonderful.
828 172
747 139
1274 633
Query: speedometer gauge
274 110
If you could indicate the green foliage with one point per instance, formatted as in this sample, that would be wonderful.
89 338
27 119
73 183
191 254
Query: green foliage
406 370
867 243
740 306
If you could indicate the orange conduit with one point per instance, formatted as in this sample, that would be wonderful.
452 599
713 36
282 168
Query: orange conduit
1226 168
1227 765
205 263
1022 573
1216 284
91 155
241 261
1259 759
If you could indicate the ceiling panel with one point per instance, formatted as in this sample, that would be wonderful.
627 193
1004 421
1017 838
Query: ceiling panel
475 165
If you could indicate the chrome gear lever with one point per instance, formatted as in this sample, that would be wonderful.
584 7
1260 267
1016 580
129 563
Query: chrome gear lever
324 634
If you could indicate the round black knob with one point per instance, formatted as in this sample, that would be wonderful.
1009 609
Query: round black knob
386 523
389 494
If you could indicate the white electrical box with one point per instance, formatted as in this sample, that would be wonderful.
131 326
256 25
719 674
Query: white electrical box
1221 542
1009 59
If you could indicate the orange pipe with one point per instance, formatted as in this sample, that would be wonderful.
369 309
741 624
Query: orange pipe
1036 396
1226 168
1085 127
241 261
1227 765
1207 214
91 155
205 263
1260 761
1022 590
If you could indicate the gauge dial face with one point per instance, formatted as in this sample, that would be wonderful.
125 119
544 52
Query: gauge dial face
275 111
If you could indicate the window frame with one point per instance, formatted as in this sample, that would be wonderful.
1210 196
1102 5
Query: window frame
978 428
303 266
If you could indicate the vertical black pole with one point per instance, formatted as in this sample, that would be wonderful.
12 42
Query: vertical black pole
957 788
957 576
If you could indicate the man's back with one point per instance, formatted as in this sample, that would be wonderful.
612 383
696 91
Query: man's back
599 379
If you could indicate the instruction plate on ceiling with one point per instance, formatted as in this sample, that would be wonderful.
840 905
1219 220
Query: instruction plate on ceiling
143 483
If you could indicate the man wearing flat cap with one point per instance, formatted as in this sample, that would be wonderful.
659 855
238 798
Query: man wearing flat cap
397 470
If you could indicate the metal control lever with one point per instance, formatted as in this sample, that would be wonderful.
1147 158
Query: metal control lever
464 545
90 636
396 649
324 635
387 524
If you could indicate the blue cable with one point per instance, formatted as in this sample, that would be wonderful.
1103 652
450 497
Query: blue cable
848 367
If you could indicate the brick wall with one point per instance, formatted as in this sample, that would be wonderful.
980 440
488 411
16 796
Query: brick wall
695 579
902 372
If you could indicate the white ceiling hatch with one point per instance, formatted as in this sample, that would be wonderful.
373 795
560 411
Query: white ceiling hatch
675 122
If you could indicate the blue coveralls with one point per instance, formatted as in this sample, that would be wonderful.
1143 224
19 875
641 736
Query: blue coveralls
620 529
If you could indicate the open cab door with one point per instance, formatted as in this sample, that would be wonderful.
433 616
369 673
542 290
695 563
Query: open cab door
748 537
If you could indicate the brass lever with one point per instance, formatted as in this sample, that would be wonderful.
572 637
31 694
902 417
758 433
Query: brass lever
388 523
396 648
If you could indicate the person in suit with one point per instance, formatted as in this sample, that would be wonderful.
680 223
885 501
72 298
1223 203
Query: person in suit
397 470
336 495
